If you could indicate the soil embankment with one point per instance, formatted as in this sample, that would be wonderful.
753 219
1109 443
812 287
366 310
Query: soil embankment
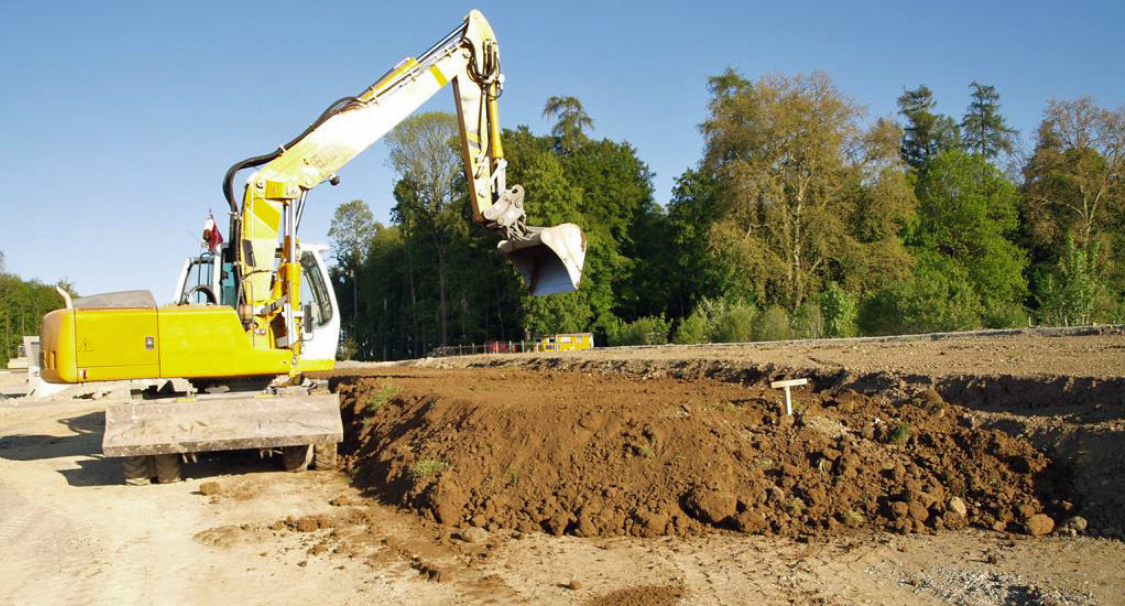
643 454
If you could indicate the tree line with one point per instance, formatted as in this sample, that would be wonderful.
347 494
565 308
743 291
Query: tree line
802 219
23 303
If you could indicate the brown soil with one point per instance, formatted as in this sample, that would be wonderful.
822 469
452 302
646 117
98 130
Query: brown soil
595 454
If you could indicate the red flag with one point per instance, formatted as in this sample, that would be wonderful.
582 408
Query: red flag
211 236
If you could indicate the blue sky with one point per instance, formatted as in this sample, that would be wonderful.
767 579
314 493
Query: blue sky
119 119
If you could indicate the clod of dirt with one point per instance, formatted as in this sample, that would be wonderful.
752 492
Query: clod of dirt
711 506
433 573
345 501
649 595
574 585
209 488
1039 525
1075 523
473 535
307 525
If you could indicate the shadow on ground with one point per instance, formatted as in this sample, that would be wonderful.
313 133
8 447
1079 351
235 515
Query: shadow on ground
84 445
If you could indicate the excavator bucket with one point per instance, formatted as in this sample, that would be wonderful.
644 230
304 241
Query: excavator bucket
550 258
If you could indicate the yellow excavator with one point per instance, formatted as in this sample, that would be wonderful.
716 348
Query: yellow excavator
261 306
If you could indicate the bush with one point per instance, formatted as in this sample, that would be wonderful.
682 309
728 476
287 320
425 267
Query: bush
938 298
650 330
733 323
840 310
692 329
1071 291
773 325
808 321
1004 315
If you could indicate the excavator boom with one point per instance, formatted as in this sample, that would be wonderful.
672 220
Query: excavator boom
549 258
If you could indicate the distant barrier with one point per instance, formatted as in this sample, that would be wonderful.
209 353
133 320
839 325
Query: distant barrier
491 347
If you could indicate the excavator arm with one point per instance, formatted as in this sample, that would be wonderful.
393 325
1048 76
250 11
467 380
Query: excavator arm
550 259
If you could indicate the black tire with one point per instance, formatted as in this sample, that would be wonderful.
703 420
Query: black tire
324 456
139 471
296 458
168 468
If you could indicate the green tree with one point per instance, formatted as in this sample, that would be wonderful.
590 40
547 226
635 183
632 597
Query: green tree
839 308
967 213
793 166
350 233
424 153
927 133
938 297
23 303
984 130
1071 291
1074 187
571 122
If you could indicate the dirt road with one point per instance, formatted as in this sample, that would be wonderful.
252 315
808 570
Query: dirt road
73 534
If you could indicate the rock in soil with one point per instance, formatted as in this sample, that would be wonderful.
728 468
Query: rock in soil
473 535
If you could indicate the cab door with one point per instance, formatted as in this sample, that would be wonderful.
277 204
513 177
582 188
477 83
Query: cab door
318 348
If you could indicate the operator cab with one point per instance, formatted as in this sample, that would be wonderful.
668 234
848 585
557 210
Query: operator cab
208 279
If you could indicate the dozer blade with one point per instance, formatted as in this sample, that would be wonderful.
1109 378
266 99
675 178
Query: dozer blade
147 427
550 259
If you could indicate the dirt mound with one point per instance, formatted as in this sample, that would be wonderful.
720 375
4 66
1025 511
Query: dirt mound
600 455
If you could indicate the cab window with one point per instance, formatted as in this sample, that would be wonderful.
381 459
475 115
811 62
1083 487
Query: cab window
314 290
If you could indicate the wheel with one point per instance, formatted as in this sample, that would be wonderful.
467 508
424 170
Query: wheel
324 456
139 471
296 458
167 468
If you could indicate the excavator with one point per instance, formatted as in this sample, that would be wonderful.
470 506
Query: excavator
252 315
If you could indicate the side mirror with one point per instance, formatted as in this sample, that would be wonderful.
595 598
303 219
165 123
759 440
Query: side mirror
307 319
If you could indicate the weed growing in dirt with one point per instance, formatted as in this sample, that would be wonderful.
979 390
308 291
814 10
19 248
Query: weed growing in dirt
385 394
645 451
426 468
854 516
900 434
513 476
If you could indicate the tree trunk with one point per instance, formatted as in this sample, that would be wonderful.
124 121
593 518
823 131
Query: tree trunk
443 310
355 303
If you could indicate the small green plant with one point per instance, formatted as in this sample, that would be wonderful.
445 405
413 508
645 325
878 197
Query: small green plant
385 394
900 434
426 468
796 505
645 451
513 475
853 516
